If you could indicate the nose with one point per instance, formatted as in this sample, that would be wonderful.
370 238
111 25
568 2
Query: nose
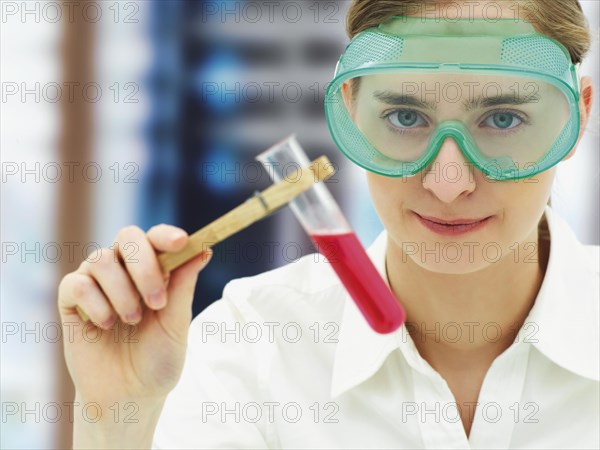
449 175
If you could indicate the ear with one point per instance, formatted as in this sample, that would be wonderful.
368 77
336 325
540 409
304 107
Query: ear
585 109
347 96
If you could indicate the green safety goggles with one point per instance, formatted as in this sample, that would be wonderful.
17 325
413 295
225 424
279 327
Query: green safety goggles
505 93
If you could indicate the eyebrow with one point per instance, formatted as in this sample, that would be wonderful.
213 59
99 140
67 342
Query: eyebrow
399 99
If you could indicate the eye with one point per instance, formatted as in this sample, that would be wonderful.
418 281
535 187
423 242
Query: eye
406 118
503 120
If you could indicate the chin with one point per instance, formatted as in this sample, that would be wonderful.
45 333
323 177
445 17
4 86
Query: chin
448 263
457 269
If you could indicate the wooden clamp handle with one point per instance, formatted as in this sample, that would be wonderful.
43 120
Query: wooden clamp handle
244 215
249 212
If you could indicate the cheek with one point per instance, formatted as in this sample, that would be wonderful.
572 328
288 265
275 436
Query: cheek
377 188
388 195
522 203
528 193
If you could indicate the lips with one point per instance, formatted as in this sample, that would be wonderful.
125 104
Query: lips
454 221
453 227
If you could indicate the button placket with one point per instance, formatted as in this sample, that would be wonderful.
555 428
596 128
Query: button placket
501 390
439 420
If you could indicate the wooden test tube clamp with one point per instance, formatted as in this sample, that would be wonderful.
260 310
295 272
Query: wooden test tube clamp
244 215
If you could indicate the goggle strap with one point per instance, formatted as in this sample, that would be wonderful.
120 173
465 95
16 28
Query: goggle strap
578 77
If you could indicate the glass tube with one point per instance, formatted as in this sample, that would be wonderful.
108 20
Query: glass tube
327 227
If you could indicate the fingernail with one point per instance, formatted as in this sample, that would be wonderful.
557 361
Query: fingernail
134 317
157 299
109 322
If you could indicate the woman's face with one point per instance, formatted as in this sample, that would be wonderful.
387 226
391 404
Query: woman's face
451 188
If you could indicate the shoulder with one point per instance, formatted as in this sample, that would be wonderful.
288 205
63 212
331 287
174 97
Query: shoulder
591 257
570 254
591 254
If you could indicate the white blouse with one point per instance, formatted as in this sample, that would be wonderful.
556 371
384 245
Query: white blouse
286 360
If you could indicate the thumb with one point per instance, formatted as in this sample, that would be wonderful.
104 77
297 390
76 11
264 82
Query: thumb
177 314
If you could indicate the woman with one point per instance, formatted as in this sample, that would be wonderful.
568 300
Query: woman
500 348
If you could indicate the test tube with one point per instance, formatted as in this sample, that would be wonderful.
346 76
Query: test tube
327 227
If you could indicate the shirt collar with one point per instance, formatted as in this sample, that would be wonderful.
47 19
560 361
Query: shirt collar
563 323
565 315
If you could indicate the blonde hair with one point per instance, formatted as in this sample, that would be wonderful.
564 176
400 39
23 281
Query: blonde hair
561 20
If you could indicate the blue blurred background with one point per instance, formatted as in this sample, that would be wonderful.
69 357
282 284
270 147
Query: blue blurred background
171 101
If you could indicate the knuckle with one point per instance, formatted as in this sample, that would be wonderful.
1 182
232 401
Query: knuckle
106 259
66 283
95 255
81 286
160 229
129 232
155 228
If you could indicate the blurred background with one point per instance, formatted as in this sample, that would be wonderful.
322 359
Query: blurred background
147 112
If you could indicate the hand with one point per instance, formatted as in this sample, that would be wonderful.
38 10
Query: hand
143 316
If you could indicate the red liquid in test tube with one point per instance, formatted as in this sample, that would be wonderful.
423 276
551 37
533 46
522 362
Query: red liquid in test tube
324 222
371 294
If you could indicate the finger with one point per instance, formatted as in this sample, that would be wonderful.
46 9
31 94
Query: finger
116 284
77 289
177 315
167 238
142 265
